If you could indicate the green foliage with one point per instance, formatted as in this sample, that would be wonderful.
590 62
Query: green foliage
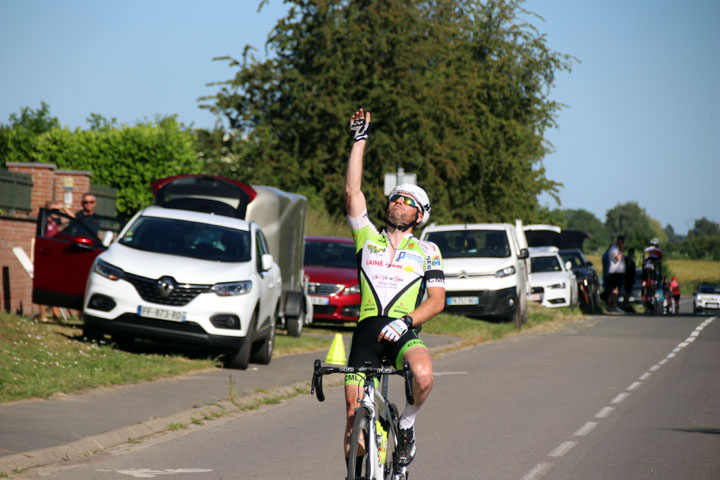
633 222
704 228
701 247
128 158
457 88
18 138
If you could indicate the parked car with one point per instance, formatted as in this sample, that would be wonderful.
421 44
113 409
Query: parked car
485 270
587 278
331 266
552 281
706 299
195 268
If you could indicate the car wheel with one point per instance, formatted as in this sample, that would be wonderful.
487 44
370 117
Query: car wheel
295 324
239 358
263 350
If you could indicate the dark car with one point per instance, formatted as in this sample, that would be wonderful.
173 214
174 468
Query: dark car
331 266
587 277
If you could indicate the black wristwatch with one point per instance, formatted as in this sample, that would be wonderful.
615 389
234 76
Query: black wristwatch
408 320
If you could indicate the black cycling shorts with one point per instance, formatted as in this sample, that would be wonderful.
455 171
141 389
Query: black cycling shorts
366 348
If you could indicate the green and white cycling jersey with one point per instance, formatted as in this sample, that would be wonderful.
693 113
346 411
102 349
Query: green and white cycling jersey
393 280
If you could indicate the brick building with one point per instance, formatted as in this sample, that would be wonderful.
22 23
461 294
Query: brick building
24 189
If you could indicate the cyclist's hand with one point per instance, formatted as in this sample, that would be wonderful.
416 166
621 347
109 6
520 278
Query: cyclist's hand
393 330
360 125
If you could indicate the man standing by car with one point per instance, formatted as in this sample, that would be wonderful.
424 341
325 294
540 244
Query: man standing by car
395 271
87 214
616 269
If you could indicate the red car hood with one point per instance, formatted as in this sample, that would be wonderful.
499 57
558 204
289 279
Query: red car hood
346 276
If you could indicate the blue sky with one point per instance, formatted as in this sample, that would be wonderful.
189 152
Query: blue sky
642 121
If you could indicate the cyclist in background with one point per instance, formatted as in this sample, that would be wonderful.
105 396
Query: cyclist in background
395 270
651 270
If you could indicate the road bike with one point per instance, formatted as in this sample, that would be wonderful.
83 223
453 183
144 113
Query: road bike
376 424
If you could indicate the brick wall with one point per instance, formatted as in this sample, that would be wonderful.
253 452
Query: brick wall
18 230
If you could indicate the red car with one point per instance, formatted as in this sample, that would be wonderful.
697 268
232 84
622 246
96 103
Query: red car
331 265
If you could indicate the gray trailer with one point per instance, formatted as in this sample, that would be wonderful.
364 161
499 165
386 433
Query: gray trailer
282 216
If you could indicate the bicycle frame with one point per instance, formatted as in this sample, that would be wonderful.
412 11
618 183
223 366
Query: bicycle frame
376 403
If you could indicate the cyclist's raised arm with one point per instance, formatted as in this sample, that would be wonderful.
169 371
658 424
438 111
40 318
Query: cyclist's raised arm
354 197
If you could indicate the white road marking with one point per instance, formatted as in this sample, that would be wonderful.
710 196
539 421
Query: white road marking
633 386
440 374
604 412
562 449
585 429
538 471
542 468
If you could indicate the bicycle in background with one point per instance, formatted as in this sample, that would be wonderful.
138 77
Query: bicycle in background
376 421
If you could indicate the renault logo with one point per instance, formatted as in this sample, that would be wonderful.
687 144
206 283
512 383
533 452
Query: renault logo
166 285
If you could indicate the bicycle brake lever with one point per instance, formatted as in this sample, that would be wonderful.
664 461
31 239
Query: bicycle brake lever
316 386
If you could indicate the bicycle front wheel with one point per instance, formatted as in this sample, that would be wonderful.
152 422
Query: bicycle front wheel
359 466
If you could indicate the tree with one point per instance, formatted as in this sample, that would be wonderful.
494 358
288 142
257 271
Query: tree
458 91
18 138
704 228
633 222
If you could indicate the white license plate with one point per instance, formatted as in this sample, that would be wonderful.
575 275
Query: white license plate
463 300
536 297
161 313
711 305
319 300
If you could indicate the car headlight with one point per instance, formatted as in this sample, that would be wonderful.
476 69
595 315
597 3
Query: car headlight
505 272
231 289
557 285
108 270
352 289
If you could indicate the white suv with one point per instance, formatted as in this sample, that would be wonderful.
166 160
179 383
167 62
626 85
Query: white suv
485 270
185 276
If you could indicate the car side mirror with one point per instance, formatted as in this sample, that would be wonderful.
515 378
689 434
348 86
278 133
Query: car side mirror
568 265
523 254
267 261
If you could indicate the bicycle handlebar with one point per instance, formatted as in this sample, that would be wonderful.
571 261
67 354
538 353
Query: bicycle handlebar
370 371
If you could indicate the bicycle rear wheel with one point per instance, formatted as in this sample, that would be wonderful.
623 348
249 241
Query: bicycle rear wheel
358 439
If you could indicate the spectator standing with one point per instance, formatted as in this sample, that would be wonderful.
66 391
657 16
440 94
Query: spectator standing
87 214
675 291
616 270
629 278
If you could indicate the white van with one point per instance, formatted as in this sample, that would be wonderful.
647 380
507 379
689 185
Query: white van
485 270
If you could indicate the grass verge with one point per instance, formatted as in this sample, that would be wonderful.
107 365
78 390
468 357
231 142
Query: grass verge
44 359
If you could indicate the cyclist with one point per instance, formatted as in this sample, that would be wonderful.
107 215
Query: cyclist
395 270
652 269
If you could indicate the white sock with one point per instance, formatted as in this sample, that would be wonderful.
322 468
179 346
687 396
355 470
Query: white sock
407 419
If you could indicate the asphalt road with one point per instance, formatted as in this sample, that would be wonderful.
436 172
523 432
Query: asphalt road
612 397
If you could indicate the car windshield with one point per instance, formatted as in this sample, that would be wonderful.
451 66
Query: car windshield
330 254
471 243
188 239
709 289
544 264
575 258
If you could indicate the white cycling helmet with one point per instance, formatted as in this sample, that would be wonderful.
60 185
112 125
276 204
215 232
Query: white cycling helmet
654 242
419 195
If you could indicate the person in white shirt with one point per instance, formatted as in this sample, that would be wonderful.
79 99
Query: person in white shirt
616 273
